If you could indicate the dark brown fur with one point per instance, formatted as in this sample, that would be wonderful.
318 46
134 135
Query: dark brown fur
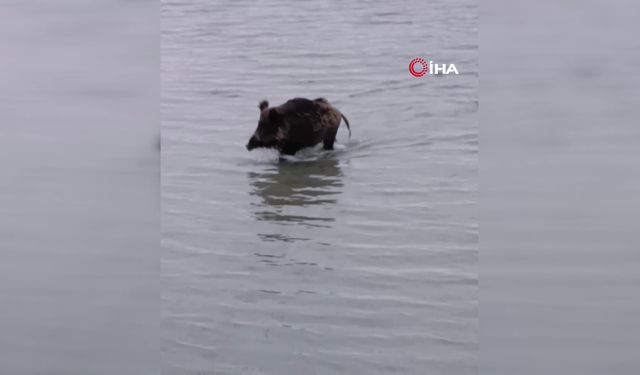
297 124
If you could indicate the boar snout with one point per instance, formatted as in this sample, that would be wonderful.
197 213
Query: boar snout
254 142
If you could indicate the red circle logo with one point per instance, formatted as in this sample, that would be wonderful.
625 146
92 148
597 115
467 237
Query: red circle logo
421 72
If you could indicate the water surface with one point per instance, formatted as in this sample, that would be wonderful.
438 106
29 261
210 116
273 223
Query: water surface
361 260
79 175
560 185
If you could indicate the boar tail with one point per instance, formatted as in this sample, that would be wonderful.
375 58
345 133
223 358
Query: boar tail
347 123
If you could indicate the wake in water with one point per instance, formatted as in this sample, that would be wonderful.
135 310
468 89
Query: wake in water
314 153
309 154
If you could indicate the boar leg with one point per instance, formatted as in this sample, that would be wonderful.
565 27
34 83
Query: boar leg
290 148
329 139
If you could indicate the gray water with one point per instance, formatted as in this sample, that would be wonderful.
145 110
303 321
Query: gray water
357 261
79 210
560 182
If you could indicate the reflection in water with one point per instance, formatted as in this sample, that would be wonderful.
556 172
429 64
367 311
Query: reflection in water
294 193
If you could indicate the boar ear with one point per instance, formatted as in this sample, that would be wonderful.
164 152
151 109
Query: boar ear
263 104
274 114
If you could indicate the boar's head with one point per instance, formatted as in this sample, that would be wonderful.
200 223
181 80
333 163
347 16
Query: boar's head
269 130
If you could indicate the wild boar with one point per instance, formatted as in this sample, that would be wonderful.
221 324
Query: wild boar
297 124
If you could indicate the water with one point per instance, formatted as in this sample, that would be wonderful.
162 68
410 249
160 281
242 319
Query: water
79 208
361 260
560 185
